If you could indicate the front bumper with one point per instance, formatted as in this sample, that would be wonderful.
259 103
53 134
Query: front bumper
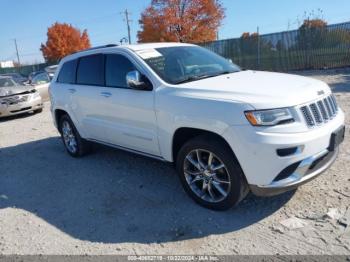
307 170
256 151
20 108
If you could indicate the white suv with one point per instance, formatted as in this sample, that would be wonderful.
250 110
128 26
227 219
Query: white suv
227 131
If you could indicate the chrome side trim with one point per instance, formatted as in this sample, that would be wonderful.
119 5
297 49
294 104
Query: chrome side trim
127 149
137 136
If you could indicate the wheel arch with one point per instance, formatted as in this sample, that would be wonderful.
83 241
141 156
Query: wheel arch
184 134
58 113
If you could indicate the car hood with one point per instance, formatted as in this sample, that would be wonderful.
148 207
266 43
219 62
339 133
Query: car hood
262 90
14 90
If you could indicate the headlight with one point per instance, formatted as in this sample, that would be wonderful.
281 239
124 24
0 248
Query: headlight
36 94
270 117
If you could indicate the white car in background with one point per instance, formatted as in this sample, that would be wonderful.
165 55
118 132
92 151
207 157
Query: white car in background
17 99
51 70
41 82
227 131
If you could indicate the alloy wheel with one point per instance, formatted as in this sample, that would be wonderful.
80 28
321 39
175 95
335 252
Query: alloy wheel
69 137
207 175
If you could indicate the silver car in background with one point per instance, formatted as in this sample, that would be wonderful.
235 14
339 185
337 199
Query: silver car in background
51 70
41 81
17 99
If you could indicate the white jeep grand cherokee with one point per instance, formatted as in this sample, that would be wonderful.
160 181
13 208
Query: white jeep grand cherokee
227 131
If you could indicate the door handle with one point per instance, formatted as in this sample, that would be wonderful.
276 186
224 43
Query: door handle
105 94
72 90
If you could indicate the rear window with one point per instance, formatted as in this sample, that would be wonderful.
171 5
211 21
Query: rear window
67 73
91 70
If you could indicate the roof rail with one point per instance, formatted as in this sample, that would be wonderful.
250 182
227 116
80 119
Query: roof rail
97 47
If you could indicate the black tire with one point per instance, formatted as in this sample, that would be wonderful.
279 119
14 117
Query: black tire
82 146
38 111
238 187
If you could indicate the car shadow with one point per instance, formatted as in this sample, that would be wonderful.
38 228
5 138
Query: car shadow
111 196
341 86
341 82
14 117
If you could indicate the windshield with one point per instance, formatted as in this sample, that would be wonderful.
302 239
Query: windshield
182 64
7 82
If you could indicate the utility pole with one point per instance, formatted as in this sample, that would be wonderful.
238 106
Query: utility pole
127 20
18 61
258 53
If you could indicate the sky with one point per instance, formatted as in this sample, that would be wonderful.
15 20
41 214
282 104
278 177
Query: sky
28 20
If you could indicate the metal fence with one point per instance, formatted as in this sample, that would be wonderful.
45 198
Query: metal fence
306 48
25 69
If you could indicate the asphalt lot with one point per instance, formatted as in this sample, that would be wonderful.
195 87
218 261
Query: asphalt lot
113 202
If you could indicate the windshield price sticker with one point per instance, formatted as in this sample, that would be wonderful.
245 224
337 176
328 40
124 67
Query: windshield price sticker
148 53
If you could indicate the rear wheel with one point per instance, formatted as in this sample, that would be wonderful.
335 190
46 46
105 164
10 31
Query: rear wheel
75 145
210 173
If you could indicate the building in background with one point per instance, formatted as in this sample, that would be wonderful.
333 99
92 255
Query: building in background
6 64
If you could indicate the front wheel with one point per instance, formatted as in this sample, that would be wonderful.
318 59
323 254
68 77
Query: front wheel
210 173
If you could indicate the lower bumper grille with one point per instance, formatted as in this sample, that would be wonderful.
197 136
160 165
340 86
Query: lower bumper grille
307 170
20 110
306 167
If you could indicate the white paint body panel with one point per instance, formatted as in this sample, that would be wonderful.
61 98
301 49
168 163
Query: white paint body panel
146 121
43 90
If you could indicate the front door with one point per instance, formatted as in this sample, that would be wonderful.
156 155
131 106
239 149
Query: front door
128 114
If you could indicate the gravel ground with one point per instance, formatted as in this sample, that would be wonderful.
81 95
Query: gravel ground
112 202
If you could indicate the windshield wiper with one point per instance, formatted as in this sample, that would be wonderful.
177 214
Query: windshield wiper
192 78
199 77
223 73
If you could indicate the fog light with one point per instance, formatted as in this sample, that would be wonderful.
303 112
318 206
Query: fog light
287 151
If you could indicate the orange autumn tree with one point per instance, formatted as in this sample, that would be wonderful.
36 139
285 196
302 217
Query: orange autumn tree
191 21
62 40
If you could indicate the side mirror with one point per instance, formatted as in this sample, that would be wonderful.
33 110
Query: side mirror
135 80
229 60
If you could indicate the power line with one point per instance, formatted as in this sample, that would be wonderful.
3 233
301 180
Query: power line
95 19
31 54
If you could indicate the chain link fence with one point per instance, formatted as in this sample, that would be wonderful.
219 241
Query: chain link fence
306 48
24 69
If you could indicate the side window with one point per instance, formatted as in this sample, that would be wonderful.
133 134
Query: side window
41 79
117 67
67 73
90 70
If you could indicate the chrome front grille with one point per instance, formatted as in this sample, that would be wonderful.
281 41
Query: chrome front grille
13 100
320 112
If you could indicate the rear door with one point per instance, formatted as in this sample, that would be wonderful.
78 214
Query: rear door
86 94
